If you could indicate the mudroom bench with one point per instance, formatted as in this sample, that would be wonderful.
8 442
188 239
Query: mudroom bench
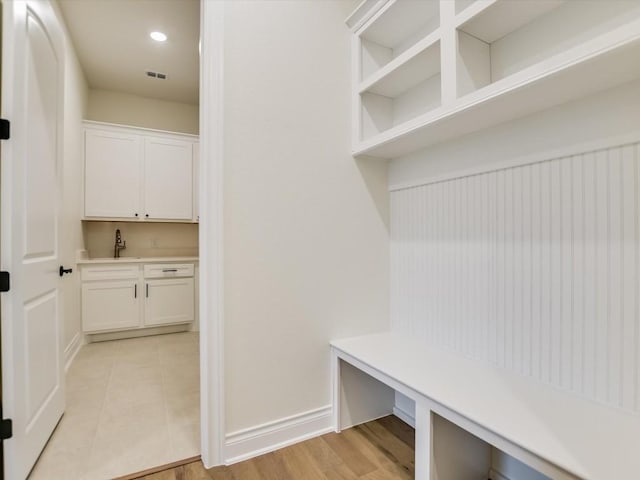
464 407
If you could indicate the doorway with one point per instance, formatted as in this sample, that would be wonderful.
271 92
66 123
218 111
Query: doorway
123 380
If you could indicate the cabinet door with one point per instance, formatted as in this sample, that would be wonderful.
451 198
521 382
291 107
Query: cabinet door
169 301
110 305
112 174
168 178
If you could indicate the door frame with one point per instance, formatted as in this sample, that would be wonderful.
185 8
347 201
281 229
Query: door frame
211 239
212 406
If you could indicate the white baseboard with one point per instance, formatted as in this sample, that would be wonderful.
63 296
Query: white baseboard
404 416
137 332
495 475
255 441
72 350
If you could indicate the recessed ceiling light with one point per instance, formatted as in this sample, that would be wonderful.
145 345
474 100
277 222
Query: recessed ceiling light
158 36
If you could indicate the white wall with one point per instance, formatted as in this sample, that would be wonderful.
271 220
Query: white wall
75 102
122 108
306 238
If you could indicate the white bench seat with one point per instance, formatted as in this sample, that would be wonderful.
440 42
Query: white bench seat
529 420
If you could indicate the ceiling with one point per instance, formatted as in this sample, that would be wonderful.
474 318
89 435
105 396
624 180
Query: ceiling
111 38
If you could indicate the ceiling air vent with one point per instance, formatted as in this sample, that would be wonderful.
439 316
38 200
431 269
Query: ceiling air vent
161 76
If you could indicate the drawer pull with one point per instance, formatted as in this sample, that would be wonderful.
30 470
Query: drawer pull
165 270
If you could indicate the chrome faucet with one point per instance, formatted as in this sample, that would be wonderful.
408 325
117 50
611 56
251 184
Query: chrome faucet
119 245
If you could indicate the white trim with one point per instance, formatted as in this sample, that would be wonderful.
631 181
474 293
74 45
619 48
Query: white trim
72 350
211 233
545 156
363 12
265 438
495 475
97 337
120 127
404 416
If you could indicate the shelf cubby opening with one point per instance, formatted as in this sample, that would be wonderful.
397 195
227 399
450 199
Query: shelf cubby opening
400 77
458 454
400 26
381 113
508 37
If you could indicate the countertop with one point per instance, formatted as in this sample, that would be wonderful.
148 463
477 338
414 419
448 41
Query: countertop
86 261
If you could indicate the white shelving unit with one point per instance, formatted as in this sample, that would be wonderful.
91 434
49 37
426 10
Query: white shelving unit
426 71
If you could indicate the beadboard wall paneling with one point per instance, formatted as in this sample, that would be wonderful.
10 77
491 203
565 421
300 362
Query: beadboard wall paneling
535 269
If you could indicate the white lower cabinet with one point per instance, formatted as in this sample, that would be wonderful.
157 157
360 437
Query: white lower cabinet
116 298
110 305
169 301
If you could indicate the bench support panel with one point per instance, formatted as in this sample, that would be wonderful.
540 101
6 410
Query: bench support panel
361 399
424 444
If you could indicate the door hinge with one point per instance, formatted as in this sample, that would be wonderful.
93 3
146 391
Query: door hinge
5 282
6 429
5 129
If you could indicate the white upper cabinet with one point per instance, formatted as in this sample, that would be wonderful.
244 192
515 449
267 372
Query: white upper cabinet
430 71
112 174
138 174
168 179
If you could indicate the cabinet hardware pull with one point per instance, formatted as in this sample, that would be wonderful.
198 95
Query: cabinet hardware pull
169 270
136 214
135 291
147 290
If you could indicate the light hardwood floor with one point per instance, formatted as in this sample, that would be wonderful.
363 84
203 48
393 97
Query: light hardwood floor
378 450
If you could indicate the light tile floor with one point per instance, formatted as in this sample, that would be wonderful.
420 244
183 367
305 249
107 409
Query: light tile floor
131 405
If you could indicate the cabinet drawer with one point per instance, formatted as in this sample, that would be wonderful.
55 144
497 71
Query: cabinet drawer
168 270
110 272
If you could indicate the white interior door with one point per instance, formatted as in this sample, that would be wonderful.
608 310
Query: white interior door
32 99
